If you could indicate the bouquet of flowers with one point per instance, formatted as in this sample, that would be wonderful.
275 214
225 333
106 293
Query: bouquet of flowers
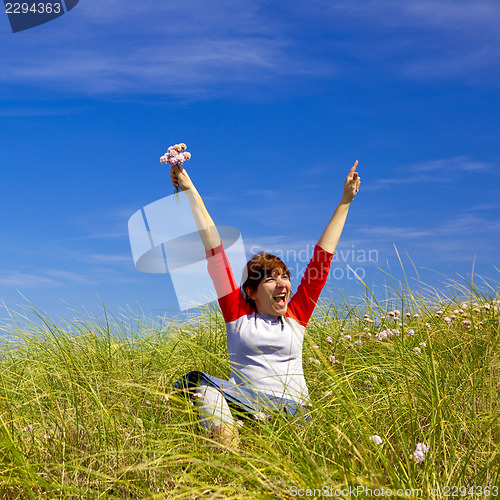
176 155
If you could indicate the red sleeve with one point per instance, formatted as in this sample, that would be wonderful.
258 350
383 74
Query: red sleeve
304 300
232 303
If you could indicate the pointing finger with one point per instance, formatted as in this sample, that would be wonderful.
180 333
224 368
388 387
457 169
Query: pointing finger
353 169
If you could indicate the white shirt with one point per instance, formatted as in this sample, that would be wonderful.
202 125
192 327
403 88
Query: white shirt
265 351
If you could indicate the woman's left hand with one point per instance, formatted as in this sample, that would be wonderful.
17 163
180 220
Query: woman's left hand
351 185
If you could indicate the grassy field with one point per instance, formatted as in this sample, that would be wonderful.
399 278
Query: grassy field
88 411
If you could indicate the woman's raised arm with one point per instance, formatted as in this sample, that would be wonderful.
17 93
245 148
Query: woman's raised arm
208 231
331 234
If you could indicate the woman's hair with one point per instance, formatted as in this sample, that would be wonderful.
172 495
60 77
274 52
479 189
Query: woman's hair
260 266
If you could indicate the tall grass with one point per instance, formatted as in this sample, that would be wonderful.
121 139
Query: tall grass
87 409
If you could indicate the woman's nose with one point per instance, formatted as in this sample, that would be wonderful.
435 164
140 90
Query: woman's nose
281 282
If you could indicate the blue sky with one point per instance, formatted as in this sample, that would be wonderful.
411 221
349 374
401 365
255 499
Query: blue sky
275 101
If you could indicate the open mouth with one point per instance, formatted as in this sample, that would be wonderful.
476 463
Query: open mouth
280 299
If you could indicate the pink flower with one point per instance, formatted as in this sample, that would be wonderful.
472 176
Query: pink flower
173 156
376 439
329 340
260 416
420 452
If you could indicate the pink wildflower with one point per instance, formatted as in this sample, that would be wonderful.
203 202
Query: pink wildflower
260 416
174 156
420 452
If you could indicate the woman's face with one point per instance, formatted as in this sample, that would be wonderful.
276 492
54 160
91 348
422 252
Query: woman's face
272 294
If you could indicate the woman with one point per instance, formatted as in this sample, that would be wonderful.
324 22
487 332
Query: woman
265 325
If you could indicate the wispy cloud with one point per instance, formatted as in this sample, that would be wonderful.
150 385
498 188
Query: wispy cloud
451 165
22 280
427 171
181 49
450 239
109 259
68 277
42 279
198 49
423 39
394 233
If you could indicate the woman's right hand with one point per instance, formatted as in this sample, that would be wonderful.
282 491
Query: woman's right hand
180 178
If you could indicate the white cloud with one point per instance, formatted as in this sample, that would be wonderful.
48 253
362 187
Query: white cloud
183 49
451 165
199 49
426 172
108 259
25 280
67 277
423 39
395 233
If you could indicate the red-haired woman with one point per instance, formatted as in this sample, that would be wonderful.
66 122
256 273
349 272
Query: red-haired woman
265 325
